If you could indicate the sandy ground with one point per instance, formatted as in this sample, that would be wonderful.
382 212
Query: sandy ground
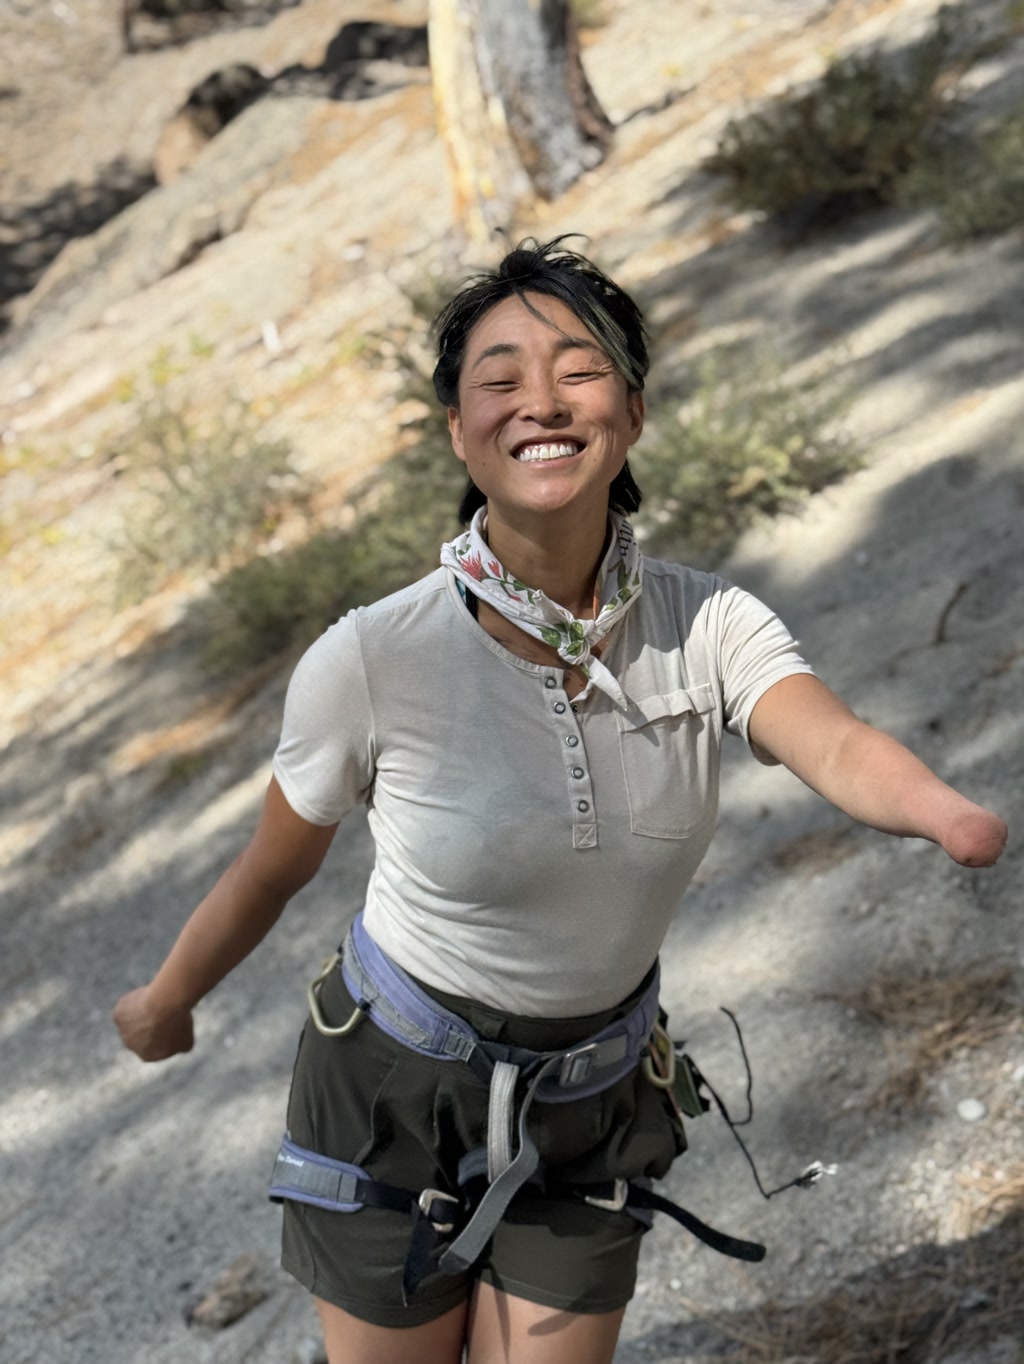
126 1189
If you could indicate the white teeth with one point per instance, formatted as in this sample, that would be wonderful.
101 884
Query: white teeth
553 450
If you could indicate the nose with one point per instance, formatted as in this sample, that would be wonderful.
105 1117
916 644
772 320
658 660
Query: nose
541 401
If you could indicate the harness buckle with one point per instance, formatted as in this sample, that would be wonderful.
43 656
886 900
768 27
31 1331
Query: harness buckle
426 1201
617 1201
577 1065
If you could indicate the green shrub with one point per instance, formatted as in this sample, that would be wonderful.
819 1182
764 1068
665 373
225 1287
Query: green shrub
401 514
207 490
746 443
977 183
589 13
847 143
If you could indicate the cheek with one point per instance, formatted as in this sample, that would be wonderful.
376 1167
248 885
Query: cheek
483 417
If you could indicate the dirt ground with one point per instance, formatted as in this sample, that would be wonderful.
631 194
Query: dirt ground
878 984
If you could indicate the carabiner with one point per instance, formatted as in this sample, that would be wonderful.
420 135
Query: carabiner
319 1022
660 1053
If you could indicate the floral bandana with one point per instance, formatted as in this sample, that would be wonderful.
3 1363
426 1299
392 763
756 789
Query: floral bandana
619 583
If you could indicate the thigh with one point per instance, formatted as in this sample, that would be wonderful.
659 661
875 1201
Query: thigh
350 1340
566 1255
504 1329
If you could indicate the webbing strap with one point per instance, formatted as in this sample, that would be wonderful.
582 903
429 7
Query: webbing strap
469 1245
398 1006
718 1240
302 1176
500 1118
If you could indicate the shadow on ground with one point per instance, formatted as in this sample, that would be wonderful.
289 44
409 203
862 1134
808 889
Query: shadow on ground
929 1304
33 234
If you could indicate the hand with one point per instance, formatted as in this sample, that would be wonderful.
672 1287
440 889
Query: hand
152 1036
975 838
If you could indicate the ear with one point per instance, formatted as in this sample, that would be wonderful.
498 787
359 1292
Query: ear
635 404
455 431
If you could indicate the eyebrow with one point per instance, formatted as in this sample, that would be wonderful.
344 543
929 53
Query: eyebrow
564 343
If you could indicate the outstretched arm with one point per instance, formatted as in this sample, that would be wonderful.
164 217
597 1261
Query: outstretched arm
868 774
285 853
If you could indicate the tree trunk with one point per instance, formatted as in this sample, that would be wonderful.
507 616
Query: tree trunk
514 107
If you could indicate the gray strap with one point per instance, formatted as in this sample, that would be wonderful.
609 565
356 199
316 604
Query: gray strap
499 1119
468 1245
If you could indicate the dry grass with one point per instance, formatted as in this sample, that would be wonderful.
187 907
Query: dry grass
918 1309
933 1017
990 1194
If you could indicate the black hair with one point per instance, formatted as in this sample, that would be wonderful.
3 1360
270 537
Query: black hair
605 309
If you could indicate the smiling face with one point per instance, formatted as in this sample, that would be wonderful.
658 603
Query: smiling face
545 420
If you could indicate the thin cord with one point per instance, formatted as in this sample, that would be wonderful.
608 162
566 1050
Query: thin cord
809 1177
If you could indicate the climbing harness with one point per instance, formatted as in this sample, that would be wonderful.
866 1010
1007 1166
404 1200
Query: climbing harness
451 1229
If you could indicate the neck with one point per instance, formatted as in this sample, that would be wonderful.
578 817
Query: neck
561 558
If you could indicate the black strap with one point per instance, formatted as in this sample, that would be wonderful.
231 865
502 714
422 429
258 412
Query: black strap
425 1244
639 1197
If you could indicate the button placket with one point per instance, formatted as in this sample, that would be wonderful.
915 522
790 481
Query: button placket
565 716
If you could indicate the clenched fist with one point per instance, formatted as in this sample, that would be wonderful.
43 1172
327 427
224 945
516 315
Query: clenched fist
150 1035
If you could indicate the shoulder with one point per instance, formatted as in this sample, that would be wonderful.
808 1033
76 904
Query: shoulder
701 609
668 579
340 650
696 591
417 603
684 596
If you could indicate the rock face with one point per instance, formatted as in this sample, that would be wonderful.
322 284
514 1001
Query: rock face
210 107
168 228
235 140
178 18
115 824
361 60
363 40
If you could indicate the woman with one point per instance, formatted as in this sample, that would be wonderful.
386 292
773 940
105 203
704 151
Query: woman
535 728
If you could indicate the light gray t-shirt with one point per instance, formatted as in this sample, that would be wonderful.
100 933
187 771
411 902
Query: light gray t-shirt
530 850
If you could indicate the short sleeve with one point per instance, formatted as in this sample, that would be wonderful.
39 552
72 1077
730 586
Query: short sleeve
324 762
755 650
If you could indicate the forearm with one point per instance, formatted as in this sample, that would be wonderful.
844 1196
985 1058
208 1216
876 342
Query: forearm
225 927
869 775
874 779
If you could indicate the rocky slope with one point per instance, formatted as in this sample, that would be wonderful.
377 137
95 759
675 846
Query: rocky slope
130 779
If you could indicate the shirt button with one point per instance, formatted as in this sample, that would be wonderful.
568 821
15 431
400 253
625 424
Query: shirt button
571 740
577 772
583 806
550 682
575 708
559 707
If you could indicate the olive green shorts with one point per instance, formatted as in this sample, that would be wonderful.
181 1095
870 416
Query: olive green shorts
407 1119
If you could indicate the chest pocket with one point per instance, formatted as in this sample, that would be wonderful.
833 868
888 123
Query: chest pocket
669 747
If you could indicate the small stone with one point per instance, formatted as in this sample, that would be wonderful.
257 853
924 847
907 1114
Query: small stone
235 1291
971 1109
1018 1075
675 1285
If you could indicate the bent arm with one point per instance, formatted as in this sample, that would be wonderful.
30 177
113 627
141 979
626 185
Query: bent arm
869 775
283 856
